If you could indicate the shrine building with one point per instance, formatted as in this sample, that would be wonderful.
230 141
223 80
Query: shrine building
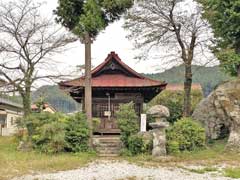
114 83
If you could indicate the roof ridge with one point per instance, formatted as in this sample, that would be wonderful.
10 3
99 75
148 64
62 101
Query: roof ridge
114 55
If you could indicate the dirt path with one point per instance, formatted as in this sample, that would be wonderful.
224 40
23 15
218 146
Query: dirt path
113 170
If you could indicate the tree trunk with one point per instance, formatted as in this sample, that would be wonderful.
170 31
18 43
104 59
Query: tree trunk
187 91
26 98
88 85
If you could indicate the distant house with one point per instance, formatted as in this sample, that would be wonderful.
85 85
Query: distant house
46 108
9 112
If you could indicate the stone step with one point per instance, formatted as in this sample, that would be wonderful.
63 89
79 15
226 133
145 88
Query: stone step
103 145
107 146
108 140
109 152
108 155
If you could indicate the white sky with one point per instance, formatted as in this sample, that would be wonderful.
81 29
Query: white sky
113 38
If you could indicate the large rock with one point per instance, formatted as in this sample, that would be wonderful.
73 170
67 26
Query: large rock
220 113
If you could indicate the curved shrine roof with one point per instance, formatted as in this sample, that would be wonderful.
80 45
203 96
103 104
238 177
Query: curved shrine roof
114 73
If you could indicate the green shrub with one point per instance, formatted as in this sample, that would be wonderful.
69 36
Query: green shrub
96 123
137 144
50 138
174 101
77 133
53 133
46 131
185 135
127 122
173 147
34 121
125 152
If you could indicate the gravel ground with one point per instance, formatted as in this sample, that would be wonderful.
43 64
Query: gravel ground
111 170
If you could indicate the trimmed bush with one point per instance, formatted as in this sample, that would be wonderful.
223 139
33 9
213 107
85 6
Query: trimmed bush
137 144
185 135
46 131
77 133
50 138
53 133
127 122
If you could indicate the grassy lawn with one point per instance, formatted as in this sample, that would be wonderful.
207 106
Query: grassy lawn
214 154
232 172
14 163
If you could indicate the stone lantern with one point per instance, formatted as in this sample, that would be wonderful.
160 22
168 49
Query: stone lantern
160 114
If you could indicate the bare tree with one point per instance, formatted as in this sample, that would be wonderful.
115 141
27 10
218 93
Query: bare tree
174 25
26 42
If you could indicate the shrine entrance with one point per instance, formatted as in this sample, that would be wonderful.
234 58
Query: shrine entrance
106 108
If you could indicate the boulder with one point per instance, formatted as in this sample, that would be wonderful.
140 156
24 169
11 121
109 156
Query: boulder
220 113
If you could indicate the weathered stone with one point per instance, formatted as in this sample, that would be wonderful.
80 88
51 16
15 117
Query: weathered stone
159 138
220 112
159 112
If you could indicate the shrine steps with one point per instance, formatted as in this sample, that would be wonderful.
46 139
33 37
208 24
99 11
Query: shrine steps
107 145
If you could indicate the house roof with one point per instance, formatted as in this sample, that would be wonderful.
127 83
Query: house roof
113 72
46 105
10 103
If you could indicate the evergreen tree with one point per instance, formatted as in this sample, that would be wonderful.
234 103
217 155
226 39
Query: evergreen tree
224 17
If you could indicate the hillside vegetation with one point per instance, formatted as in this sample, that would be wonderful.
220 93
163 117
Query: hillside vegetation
208 77
57 98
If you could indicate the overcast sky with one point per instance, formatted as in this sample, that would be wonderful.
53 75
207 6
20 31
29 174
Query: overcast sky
113 38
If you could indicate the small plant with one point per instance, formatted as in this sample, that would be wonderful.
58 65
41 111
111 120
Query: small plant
185 135
137 144
127 122
173 147
96 123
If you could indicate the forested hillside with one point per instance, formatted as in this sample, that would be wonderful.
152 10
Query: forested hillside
208 77
57 98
